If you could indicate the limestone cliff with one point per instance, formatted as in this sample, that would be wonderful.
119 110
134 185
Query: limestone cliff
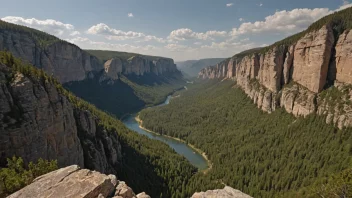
296 73
36 121
72 181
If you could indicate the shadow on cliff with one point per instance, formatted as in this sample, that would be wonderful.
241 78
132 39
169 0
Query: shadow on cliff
118 98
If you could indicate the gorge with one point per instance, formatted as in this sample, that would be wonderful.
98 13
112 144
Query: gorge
271 121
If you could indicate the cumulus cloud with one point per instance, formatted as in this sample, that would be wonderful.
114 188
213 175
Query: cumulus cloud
130 15
87 43
177 47
260 5
75 33
114 34
229 4
187 34
283 22
50 26
241 19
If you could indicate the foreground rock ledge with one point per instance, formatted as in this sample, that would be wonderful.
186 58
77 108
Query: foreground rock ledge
73 181
227 192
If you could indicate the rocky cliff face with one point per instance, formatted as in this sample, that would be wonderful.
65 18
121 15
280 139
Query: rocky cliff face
36 121
137 65
72 181
218 71
312 55
294 76
65 61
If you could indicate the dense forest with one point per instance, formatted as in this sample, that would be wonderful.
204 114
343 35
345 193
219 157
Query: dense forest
148 165
264 155
128 93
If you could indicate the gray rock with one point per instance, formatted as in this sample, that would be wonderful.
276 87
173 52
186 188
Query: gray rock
227 192
72 181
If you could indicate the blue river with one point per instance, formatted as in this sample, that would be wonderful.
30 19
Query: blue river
181 148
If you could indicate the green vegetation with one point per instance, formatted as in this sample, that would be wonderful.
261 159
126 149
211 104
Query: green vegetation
104 55
264 155
148 165
129 93
337 186
16 175
42 38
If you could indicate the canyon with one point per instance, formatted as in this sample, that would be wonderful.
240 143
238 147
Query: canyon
67 62
310 75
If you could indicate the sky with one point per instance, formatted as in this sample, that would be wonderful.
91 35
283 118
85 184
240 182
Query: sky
179 29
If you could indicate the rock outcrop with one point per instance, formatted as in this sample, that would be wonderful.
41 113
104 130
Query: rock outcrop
312 55
293 76
344 58
36 121
72 181
227 192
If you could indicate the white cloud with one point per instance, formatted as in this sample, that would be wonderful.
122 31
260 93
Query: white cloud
50 26
114 34
229 4
198 43
260 5
345 2
283 22
130 15
187 34
241 19
177 47
75 33
86 43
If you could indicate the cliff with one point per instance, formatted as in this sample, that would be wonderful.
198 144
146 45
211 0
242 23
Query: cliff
37 121
72 181
305 73
67 62
137 65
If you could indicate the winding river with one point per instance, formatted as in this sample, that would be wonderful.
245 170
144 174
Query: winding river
181 148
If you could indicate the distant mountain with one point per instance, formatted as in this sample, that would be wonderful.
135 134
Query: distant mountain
193 67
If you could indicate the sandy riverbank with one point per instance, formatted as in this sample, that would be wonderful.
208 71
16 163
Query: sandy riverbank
210 165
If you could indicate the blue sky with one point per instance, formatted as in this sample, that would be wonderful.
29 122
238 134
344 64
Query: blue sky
180 29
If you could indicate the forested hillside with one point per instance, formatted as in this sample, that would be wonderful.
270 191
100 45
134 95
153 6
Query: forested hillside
264 155
127 94
145 164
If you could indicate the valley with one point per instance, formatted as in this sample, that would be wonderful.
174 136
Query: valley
108 111
250 149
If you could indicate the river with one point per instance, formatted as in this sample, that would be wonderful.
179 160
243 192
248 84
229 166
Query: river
181 148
